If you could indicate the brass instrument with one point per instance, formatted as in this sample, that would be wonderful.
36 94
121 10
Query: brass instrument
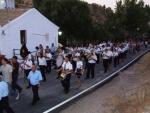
89 56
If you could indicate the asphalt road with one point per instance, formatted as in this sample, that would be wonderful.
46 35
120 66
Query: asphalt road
51 92
126 86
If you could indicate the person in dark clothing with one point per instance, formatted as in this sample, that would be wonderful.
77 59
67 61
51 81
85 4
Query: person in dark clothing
15 74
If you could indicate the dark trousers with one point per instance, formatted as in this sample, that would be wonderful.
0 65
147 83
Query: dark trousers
48 68
66 83
105 64
116 61
15 84
98 58
42 69
90 70
74 65
27 71
36 98
4 105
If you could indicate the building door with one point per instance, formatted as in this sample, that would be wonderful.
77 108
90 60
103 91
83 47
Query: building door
23 37
23 41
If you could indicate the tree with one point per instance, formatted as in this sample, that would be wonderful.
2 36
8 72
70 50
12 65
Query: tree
132 17
73 17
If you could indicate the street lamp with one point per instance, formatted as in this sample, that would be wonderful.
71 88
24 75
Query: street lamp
60 33
137 28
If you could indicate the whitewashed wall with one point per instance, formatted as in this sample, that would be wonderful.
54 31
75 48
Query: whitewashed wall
34 23
10 4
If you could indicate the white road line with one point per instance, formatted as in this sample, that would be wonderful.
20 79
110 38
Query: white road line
95 85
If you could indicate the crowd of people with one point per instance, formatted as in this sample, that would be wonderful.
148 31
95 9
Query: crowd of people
67 61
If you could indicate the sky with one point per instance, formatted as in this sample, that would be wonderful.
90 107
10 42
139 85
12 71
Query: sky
109 3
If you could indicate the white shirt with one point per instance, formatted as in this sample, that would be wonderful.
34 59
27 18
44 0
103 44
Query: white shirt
115 54
48 56
42 61
108 48
3 89
98 51
110 54
119 50
67 66
77 54
105 55
93 59
27 64
79 65
29 57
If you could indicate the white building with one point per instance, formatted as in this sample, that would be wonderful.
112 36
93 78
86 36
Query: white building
31 27
9 4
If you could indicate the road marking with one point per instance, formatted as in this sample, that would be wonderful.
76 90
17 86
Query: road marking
95 85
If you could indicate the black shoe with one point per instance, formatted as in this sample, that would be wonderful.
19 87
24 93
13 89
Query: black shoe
38 99
33 103
28 87
20 91
44 80
57 77
92 77
87 78
66 92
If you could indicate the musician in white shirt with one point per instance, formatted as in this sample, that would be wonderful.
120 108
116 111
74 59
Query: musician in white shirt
48 57
115 57
27 65
120 51
105 57
42 65
98 51
67 69
110 54
92 58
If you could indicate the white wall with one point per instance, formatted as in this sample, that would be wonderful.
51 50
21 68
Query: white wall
0 39
2 4
9 4
34 23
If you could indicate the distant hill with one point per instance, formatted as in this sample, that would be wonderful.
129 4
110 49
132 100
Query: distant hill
97 11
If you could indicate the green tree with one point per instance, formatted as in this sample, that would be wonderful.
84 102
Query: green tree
131 16
73 17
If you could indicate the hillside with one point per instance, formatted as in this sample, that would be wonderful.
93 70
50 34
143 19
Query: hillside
97 11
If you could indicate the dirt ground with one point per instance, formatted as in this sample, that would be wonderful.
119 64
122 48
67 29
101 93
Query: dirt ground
127 93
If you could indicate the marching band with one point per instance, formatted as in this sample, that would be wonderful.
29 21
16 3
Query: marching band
68 61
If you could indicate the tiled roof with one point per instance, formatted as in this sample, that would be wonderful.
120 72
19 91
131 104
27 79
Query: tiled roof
8 15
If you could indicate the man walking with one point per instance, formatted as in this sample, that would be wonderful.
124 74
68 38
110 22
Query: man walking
35 77
15 74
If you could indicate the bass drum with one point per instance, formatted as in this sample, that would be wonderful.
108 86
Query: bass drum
59 61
